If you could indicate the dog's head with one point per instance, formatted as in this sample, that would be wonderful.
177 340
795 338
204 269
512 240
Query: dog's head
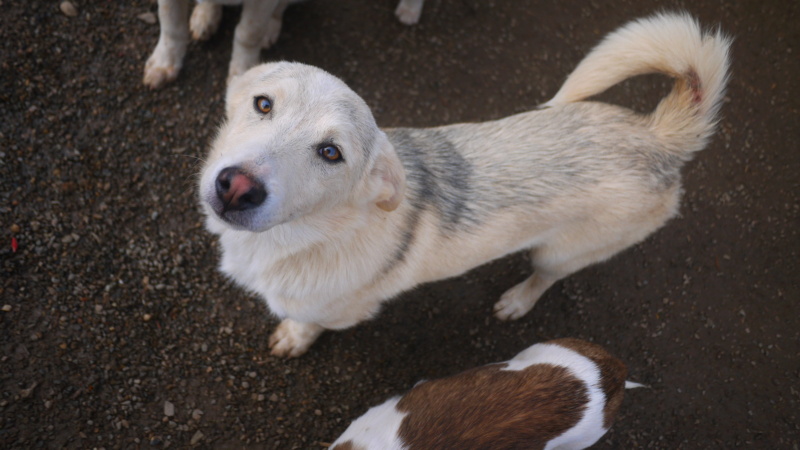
296 141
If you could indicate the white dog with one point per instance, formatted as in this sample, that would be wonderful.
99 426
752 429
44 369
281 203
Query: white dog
326 216
258 28
559 394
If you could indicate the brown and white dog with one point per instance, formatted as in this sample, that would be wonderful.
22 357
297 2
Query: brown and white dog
258 28
326 216
560 394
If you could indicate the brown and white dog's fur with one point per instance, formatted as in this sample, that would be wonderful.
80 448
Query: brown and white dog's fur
561 394
325 242
258 28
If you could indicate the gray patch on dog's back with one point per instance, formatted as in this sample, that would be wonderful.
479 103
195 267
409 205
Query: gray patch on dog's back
438 176
456 174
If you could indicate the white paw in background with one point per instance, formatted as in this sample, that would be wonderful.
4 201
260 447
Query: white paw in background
164 64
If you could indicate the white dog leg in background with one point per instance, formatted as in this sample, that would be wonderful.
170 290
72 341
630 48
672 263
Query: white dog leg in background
293 338
409 11
205 20
273 29
167 58
255 26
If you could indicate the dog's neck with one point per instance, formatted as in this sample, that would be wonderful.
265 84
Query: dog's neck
341 226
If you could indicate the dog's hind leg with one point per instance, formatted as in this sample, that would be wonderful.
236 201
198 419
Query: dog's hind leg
586 243
552 262
205 20
575 249
292 338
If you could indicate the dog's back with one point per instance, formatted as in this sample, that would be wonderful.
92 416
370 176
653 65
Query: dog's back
560 394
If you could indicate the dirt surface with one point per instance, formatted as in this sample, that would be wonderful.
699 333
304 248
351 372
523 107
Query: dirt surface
117 331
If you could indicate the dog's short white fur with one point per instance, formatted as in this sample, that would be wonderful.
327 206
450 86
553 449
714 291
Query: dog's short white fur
259 27
559 394
326 242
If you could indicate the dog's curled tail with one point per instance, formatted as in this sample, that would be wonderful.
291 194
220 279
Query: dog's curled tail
670 43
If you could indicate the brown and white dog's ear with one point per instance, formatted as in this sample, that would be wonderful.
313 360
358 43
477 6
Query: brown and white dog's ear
389 175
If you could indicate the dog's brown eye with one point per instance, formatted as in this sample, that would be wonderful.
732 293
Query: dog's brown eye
263 104
330 153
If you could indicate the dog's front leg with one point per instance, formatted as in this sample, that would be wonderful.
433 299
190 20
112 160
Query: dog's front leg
255 24
292 338
167 58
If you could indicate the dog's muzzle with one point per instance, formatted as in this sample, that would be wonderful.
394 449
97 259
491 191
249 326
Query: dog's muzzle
238 191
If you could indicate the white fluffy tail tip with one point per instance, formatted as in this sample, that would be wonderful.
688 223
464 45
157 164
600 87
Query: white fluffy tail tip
632 385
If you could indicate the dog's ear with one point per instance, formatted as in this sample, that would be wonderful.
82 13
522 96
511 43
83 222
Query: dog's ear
389 175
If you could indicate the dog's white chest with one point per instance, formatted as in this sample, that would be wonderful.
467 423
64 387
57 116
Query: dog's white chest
283 281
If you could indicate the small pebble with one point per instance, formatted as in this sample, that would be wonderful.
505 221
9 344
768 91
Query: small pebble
197 415
6 308
15 228
147 17
146 317
197 437
169 409
68 9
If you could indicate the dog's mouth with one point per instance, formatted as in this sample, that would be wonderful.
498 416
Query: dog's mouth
236 219
237 197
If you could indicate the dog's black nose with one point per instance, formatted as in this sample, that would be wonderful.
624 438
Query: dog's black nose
239 191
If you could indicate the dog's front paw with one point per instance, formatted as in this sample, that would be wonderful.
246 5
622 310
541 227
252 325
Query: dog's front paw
205 20
291 339
163 65
515 303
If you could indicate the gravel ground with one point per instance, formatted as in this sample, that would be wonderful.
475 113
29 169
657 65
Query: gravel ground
118 332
